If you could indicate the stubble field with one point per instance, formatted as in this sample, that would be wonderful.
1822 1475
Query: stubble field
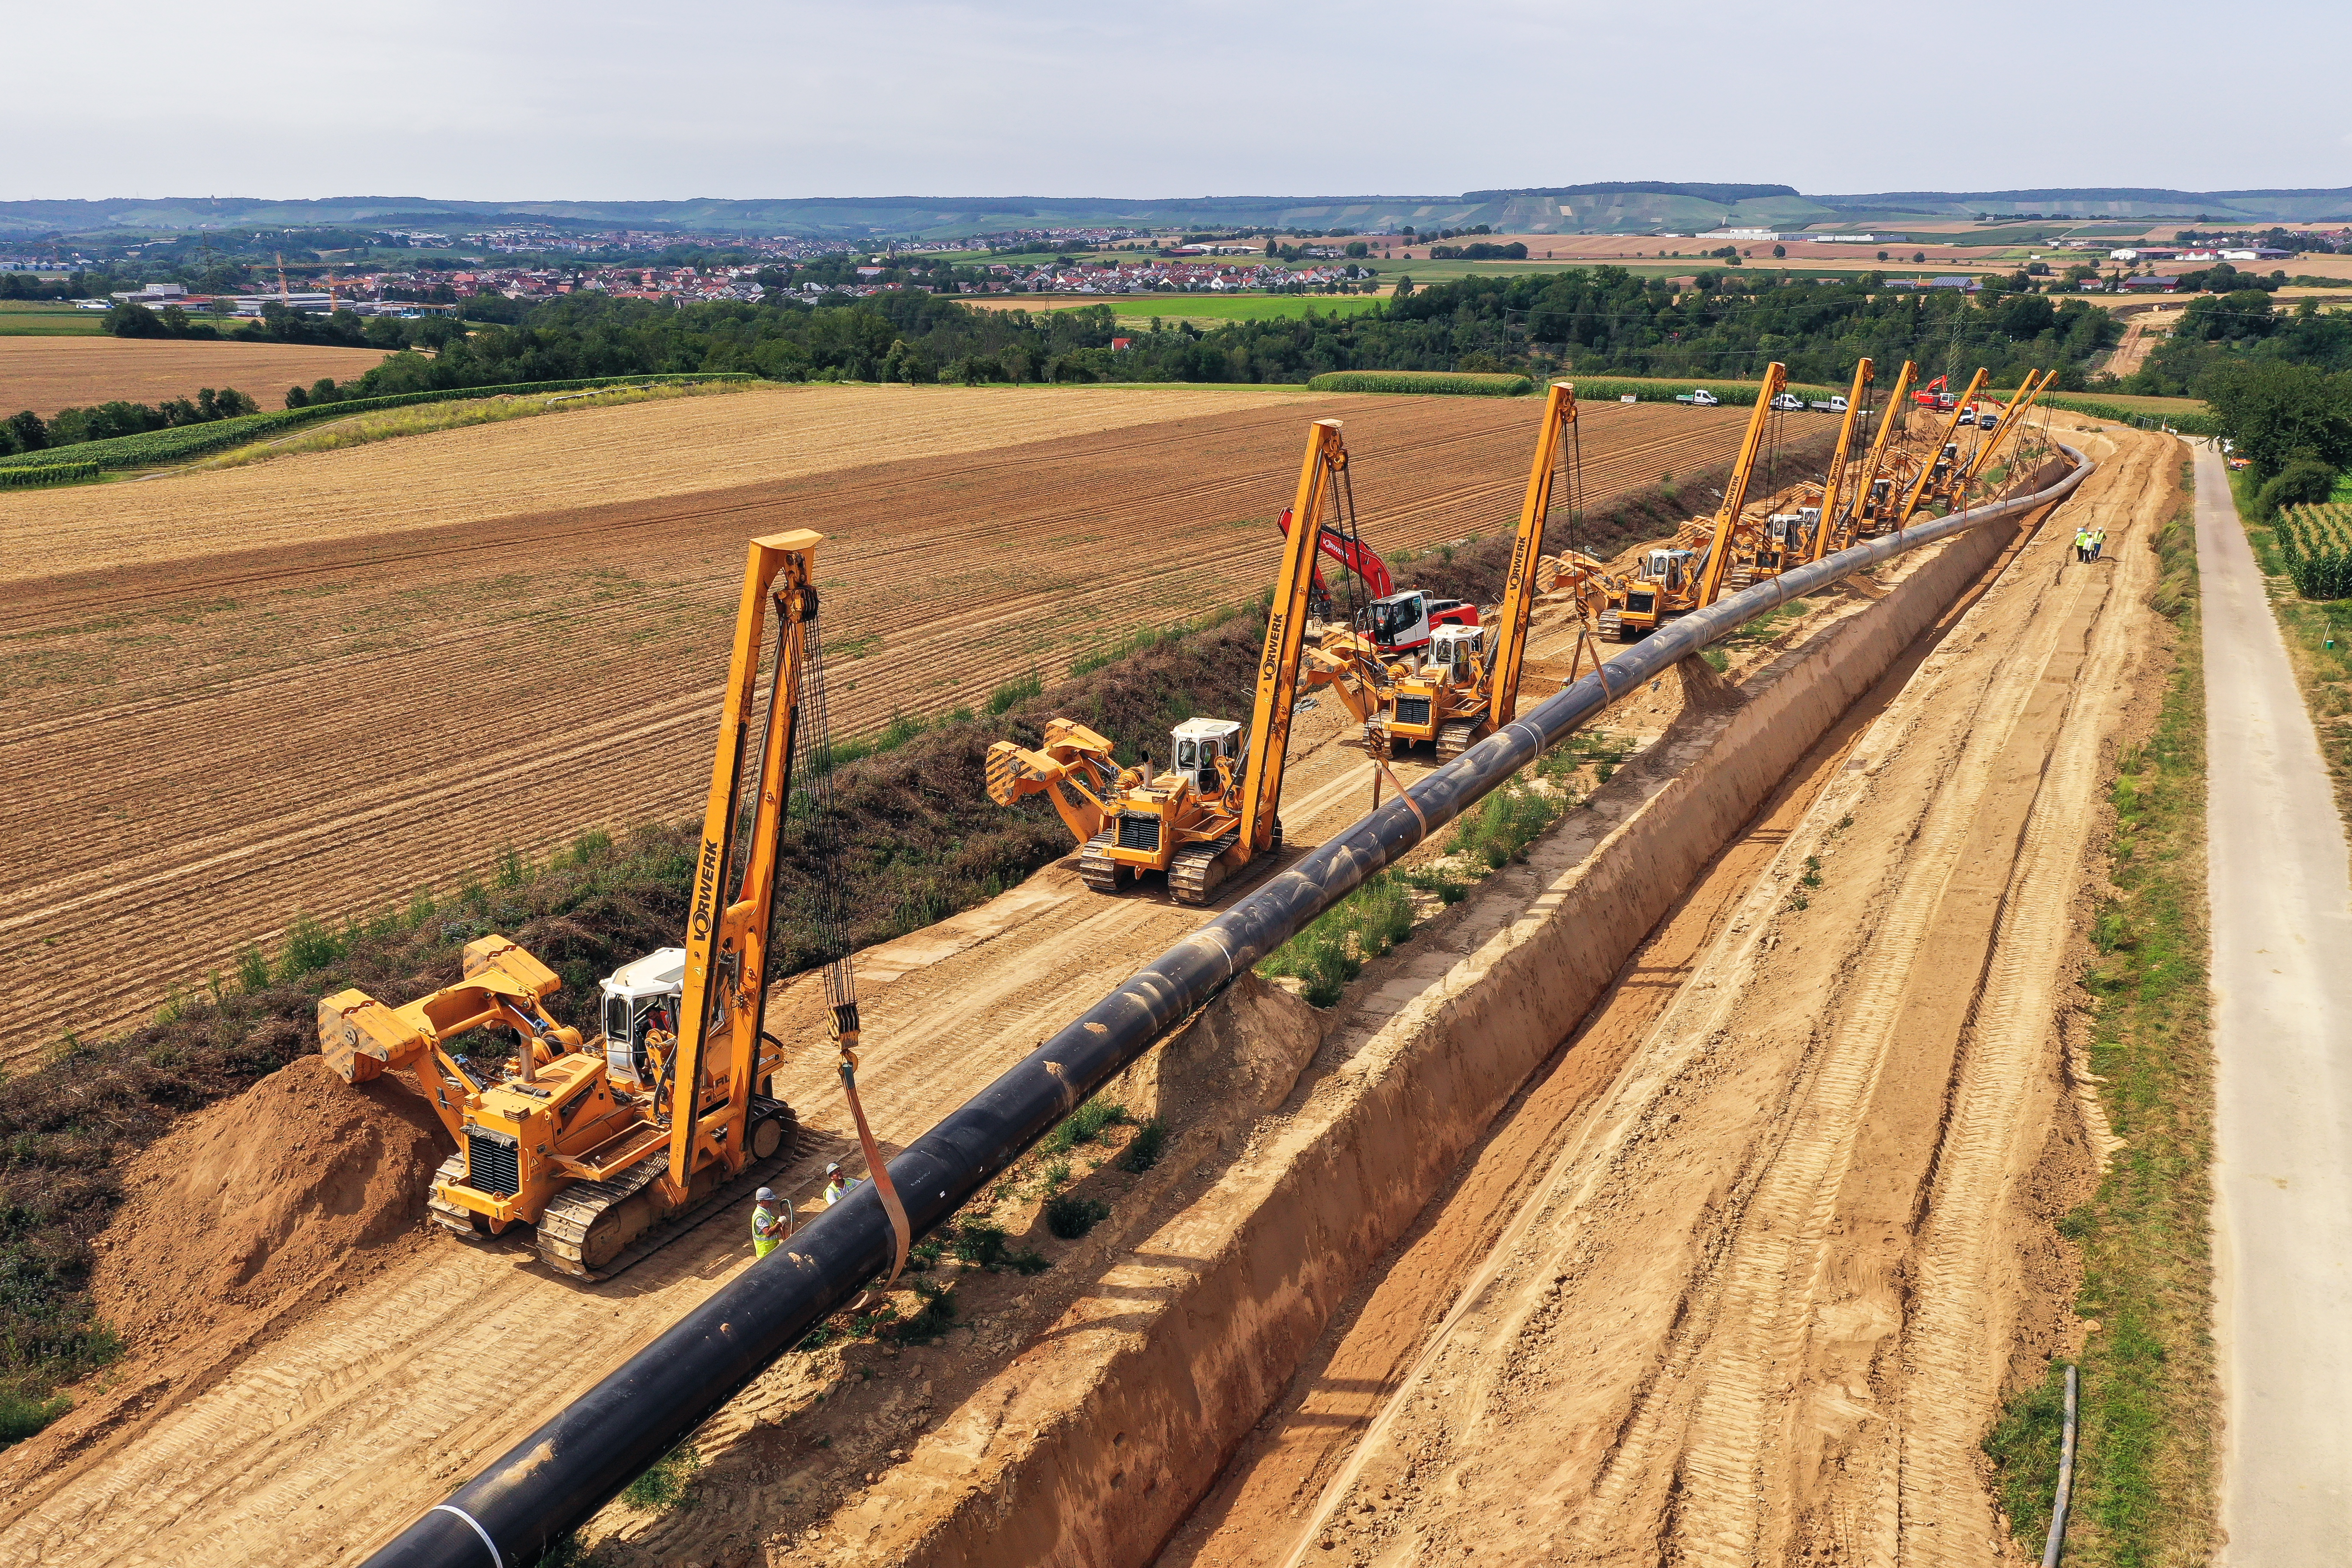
47 373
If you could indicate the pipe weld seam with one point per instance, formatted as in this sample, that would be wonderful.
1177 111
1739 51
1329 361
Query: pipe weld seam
489 1545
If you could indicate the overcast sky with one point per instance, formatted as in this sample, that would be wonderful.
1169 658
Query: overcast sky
593 99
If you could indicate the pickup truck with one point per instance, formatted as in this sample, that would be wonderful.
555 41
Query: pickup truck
1836 405
1788 402
1702 398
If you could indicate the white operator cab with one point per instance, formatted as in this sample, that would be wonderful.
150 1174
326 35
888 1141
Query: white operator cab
1670 569
1451 649
640 1000
1199 743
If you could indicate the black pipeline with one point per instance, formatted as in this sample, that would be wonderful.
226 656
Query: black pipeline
547 1484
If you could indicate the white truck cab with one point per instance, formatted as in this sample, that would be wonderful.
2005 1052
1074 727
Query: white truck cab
1199 742
1788 402
640 999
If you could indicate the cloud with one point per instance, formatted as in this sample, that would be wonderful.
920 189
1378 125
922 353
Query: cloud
605 100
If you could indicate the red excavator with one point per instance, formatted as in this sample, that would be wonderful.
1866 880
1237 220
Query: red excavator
1397 622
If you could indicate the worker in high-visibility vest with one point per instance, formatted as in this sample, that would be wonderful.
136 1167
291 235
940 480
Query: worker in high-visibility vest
772 1221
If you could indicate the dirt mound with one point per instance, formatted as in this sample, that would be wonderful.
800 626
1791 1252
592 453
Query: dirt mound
247 1208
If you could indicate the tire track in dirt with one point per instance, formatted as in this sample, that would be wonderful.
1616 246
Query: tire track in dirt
1760 1303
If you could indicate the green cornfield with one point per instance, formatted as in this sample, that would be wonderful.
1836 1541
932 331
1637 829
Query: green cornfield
1474 383
55 474
2316 542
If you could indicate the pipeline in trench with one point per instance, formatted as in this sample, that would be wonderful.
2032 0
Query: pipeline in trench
1271 1499
536 1493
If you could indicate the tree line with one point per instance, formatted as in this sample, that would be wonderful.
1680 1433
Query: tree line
1600 321
29 432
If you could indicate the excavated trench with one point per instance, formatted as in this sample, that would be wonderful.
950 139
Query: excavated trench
1303 1148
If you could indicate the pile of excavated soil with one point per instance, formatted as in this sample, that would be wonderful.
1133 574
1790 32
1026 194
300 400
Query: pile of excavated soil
250 1207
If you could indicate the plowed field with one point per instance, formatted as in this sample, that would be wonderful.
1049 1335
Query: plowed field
535 466
213 746
46 374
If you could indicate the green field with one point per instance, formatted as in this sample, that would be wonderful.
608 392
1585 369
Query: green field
47 319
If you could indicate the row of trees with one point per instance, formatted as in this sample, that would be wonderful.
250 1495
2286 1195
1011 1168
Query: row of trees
29 432
2292 422
1597 320
2218 331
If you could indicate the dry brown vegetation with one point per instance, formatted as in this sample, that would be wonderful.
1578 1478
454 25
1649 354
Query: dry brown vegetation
46 374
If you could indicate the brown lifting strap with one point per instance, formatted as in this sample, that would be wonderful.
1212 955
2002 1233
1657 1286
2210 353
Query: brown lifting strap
845 1034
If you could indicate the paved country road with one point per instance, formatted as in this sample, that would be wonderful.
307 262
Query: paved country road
2281 904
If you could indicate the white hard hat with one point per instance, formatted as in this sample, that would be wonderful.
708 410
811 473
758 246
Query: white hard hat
832 1170
766 1194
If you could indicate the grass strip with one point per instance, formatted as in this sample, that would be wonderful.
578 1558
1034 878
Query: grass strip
2145 1468
454 415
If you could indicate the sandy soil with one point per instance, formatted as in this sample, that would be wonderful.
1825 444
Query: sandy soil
236 1221
311 1444
331 1436
2143 330
308 727
1757 1299
46 374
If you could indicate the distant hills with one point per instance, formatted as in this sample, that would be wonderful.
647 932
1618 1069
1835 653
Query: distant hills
1606 207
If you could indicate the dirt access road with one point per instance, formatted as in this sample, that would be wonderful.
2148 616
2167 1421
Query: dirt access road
2282 901
215 744
1742 1277
367 1400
